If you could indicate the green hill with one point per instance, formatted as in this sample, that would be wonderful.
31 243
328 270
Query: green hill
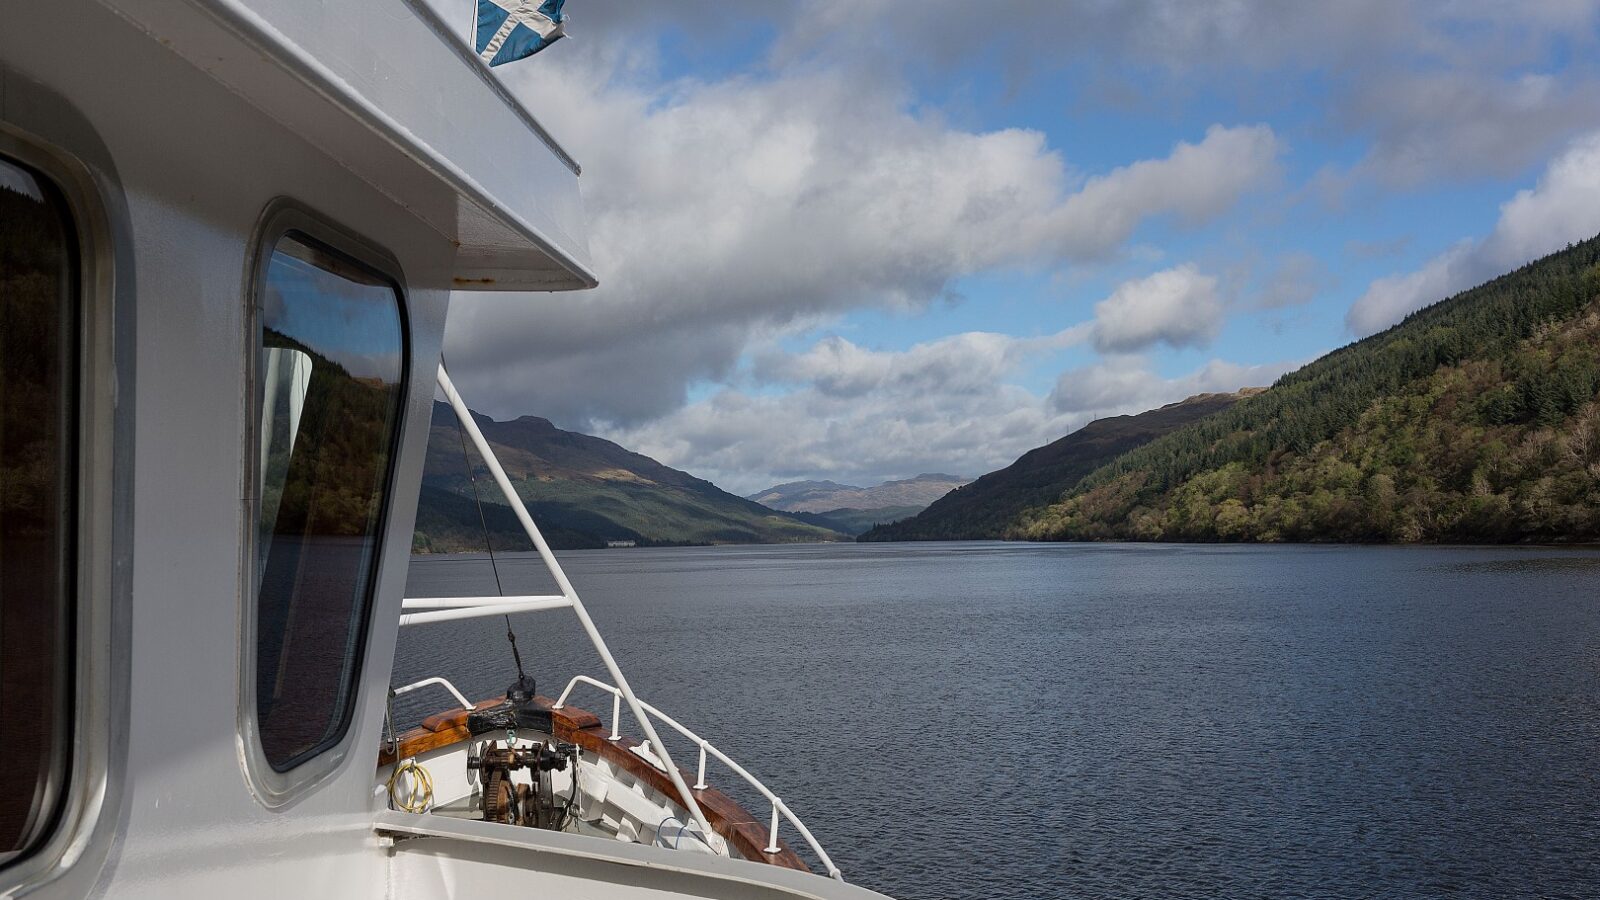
1473 420
583 491
855 521
986 508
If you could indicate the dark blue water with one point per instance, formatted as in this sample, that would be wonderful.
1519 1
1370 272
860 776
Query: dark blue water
986 720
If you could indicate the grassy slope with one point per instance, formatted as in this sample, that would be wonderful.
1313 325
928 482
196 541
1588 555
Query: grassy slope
591 488
985 508
1473 420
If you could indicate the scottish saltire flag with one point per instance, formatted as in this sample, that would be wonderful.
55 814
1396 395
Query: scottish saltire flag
509 30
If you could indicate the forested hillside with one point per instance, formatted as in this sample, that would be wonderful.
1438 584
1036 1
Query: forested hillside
985 508
583 491
1473 420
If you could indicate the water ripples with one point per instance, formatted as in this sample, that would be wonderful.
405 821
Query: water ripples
985 720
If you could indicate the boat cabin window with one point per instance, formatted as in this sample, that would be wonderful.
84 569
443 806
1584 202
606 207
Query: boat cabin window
330 376
38 472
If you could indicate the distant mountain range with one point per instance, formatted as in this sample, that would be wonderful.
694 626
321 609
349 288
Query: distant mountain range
822 496
583 491
988 508
851 509
1476 419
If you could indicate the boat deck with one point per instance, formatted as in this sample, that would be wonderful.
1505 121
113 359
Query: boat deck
614 763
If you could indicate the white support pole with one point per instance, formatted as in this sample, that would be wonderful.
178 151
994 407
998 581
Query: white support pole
466 602
442 682
478 612
464 415
772 833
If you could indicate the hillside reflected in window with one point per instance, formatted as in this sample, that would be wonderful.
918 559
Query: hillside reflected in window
330 374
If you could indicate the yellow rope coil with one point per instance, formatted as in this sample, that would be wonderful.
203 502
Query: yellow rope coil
419 797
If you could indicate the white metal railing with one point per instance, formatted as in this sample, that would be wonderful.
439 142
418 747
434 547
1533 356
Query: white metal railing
444 609
706 747
442 682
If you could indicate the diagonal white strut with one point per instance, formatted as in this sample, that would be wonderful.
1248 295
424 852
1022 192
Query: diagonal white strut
568 595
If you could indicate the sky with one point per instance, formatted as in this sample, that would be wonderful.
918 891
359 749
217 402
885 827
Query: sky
863 240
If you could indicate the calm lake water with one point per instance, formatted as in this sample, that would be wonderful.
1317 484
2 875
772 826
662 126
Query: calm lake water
976 720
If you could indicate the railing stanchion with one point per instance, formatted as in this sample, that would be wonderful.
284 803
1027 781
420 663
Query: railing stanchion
616 715
700 783
772 834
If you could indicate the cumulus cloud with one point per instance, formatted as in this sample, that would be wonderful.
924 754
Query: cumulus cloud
1440 88
1564 206
1177 35
968 363
1178 307
1436 125
721 212
1174 34
728 211
869 415
1117 386
1392 298
1196 182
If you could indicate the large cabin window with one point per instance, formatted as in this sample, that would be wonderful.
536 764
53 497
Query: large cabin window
330 382
38 472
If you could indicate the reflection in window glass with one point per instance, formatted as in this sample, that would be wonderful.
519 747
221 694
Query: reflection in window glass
38 357
330 373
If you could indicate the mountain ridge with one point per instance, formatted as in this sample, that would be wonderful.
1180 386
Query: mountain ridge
987 507
831 496
586 490
1474 419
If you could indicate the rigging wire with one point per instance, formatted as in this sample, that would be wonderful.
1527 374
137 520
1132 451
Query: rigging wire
483 522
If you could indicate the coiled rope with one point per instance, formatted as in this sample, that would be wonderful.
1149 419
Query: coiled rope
418 798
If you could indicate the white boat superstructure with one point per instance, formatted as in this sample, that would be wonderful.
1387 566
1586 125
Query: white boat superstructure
229 233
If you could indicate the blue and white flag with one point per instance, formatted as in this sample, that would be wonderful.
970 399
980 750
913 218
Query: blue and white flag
509 30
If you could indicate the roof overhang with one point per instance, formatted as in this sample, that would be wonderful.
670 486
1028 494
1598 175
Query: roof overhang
388 90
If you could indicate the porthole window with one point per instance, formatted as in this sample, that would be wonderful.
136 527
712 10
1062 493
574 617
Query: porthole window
330 384
38 474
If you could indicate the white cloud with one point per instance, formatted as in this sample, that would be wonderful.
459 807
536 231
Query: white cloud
966 363
1196 182
1178 36
1428 127
1441 89
727 212
1564 206
864 415
723 211
1179 307
1123 385
1390 299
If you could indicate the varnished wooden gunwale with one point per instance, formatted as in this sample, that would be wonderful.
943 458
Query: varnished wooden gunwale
744 832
